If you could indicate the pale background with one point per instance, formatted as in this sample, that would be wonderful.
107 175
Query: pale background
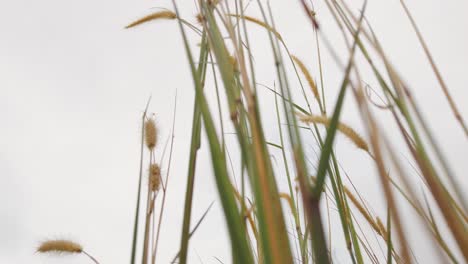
73 84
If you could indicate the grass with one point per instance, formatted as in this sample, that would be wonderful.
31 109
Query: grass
256 214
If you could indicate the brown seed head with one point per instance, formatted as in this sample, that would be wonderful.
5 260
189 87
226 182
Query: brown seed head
151 134
59 246
154 177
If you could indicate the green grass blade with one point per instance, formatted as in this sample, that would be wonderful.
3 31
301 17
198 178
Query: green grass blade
240 247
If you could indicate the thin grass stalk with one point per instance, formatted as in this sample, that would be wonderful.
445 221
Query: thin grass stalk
331 130
375 43
417 207
441 81
345 207
338 194
389 237
438 236
375 142
137 207
288 175
165 185
194 229
312 207
438 190
149 205
453 225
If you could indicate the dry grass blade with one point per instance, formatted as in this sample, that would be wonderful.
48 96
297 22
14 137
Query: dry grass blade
154 16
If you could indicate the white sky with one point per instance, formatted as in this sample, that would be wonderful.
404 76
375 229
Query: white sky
73 84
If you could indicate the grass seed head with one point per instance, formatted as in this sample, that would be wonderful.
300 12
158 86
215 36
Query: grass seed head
158 15
155 177
258 22
343 128
308 77
59 246
151 133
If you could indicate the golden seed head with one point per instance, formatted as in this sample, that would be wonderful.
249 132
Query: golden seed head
258 22
343 128
154 16
151 133
60 246
308 76
154 177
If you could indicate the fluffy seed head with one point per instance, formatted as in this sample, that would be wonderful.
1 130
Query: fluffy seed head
60 246
154 177
151 133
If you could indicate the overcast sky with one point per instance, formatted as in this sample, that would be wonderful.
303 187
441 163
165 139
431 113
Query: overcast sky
73 84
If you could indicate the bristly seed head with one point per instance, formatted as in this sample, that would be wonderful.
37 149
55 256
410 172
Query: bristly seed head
258 22
154 16
151 133
59 246
343 128
308 76
154 177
